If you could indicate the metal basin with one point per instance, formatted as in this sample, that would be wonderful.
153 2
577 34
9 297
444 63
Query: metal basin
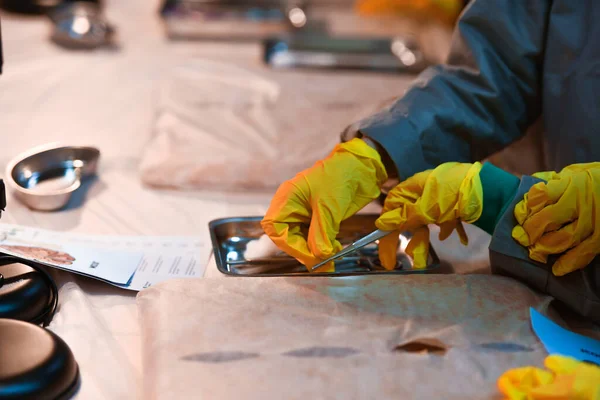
45 178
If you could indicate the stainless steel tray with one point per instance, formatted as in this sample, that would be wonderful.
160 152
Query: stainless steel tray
398 54
228 19
230 236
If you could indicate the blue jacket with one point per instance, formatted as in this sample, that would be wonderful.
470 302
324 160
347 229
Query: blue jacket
511 63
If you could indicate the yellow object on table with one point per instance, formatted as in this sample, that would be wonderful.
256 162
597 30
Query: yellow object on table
443 10
565 378
305 214
562 215
444 196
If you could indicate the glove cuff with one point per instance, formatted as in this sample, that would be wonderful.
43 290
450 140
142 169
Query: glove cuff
470 201
499 189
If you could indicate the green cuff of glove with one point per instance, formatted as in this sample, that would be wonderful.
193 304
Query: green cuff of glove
499 189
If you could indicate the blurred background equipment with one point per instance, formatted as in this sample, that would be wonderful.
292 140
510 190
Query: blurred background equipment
258 19
76 24
80 24
232 19
37 7
34 7
375 35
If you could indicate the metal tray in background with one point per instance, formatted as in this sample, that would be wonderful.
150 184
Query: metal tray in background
398 54
230 237
229 19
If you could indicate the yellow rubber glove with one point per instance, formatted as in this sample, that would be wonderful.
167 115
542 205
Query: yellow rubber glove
306 211
444 196
566 378
562 215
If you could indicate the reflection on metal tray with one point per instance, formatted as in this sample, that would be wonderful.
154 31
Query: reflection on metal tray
232 19
230 236
400 54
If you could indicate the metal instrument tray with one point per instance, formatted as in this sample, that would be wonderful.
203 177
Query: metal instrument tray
230 237
352 53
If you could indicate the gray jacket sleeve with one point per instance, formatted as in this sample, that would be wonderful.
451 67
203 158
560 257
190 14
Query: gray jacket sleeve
485 98
502 240
579 290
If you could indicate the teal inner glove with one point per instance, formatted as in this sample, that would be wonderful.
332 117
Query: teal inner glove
499 189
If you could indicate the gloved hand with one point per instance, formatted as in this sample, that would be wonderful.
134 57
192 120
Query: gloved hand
562 215
445 196
567 378
306 211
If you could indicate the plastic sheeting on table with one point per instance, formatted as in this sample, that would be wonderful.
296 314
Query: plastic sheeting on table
227 126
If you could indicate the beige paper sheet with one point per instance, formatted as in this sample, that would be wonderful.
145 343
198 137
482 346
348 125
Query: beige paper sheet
336 338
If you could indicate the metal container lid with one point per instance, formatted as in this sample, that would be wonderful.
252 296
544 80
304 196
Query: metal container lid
36 363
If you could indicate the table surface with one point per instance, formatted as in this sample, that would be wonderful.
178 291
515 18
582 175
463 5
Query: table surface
106 98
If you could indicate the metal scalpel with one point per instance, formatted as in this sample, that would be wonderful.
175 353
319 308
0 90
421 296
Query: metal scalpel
360 243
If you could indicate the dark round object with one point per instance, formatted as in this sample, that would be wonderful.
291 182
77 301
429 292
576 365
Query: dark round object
34 7
36 364
25 293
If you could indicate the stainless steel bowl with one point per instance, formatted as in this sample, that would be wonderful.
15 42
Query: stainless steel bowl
81 25
45 178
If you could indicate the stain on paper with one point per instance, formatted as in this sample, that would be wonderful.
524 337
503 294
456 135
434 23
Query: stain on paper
505 347
322 352
423 346
217 357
